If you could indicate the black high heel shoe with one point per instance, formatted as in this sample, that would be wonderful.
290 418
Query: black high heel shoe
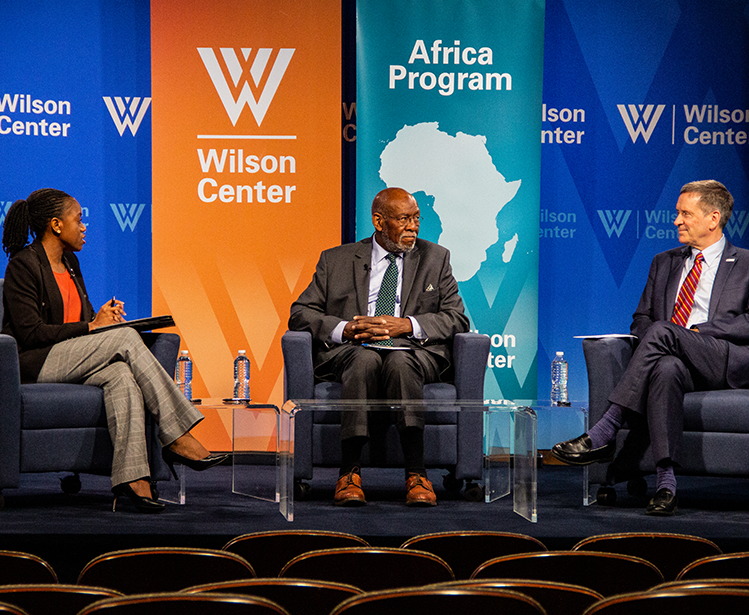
170 457
142 504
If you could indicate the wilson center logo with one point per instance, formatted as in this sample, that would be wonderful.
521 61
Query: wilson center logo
614 221
127 112
4 208
737 224
234 106
127 214
640 119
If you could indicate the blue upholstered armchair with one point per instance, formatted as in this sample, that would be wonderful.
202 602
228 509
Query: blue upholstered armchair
453 441
63 427
716 425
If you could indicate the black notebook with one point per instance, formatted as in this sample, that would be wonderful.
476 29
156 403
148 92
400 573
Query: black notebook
141 324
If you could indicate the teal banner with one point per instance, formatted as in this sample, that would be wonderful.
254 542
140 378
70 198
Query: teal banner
449 108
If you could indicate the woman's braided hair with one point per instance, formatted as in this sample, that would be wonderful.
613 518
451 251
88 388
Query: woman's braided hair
31 215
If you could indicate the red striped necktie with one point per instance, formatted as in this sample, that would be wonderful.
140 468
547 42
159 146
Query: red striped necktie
685 300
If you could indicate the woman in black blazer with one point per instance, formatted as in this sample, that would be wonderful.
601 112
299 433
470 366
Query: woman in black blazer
48 312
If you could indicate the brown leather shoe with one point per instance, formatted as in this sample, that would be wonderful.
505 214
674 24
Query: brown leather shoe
348 491
419 491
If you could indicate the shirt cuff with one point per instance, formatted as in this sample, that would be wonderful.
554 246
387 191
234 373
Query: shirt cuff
418 332
336 335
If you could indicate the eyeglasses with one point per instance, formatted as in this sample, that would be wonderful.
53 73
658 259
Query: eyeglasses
404 219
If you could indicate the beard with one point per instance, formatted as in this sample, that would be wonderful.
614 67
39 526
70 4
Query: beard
392 246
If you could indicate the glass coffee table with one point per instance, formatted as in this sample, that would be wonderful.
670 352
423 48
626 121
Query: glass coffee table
509 444
251 433
560 423
262 445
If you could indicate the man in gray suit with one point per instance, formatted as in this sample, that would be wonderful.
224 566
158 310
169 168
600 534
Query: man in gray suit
382 313
692 325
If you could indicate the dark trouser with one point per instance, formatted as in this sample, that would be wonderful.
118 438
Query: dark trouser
365 373
371 374
669 362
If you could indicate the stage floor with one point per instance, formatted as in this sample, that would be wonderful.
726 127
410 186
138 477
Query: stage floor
69 530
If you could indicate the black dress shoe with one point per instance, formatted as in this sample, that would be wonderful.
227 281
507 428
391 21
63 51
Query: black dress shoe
663 504
142 504
580 452
170 457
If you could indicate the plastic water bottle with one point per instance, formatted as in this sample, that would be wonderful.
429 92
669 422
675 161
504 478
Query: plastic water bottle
183 376
241 376
559 380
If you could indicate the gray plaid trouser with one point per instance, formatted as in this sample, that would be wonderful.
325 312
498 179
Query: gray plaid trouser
133 381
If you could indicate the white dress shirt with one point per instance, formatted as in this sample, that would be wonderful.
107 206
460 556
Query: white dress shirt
377 267
712 255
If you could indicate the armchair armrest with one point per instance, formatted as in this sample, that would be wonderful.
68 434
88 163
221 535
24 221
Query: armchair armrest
470 352
298 374
165 347
299 383
605 359
10 412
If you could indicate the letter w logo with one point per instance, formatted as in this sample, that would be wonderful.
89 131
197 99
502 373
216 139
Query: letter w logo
127 112
4 207
632 116
127 214
234 106
737 224
614 221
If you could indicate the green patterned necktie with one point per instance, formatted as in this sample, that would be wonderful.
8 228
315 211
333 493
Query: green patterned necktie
385 305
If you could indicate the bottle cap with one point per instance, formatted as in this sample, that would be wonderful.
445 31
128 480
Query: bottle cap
184 353
560 353
241 351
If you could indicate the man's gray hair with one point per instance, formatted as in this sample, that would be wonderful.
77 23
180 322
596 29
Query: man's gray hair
713 196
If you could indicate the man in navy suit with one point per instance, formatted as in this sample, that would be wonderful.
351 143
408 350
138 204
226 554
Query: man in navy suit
376 355
692 325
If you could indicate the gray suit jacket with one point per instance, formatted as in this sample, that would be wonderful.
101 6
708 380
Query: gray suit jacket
340 287
728 316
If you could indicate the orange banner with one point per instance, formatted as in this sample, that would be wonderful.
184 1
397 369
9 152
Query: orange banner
246 174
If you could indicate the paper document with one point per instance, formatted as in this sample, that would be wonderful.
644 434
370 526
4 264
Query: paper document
376 347
605 335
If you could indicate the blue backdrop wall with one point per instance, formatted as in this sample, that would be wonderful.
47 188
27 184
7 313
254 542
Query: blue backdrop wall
639 99
75 87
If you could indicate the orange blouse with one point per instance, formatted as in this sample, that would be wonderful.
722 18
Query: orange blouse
70 297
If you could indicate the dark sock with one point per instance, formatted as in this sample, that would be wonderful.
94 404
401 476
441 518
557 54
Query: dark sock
351 449
604 431
412 443
664 476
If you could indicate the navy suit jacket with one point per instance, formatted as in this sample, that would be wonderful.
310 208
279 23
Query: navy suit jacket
340 288
728 315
